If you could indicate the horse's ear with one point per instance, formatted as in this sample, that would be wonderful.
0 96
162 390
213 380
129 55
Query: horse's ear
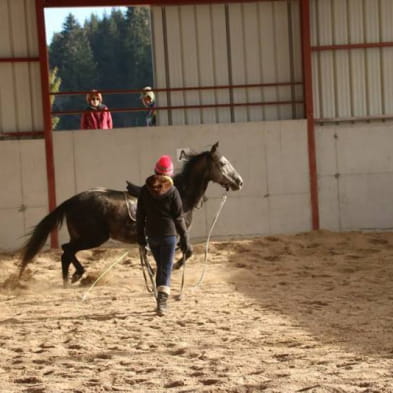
214 148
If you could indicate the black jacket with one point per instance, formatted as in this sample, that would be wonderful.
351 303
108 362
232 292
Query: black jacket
159 210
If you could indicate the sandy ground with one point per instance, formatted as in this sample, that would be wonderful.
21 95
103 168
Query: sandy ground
304 313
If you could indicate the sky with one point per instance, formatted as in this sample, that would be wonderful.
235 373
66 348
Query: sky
54 17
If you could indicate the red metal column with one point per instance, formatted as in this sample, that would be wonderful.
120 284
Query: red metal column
50 167
309 109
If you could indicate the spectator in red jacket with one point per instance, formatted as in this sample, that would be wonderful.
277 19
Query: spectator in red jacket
96 115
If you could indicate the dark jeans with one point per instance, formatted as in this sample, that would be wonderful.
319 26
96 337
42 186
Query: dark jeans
163 249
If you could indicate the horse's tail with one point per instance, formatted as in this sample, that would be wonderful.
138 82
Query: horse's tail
40 233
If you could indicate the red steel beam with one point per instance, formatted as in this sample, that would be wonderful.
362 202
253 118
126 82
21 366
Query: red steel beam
176 89
173 107
367 45
353 119
46 108
309 109
125 3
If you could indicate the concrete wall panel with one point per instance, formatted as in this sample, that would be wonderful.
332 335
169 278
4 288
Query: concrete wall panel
98 158
355 172
10 175
326 146
289 213
11 230
64 157
252 216
34 179
364 149
103 159
366 201
329 209
287 158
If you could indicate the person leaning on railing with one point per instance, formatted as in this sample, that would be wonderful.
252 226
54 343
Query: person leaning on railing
149 101
96 115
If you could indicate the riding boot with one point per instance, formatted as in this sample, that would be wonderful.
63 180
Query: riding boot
162 298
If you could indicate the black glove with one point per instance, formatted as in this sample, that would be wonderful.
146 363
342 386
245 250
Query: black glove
185 246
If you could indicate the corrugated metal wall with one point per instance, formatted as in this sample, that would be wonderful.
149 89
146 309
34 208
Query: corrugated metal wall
355 82
228 44
231 44
20 81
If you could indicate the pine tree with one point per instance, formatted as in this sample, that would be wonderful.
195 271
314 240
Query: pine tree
111 53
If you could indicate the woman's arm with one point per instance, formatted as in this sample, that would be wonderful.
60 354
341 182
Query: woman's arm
140 220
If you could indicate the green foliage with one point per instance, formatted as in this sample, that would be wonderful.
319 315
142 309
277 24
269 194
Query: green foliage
54 85
109 53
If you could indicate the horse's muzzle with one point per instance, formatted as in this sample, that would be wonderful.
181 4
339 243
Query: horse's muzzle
237 184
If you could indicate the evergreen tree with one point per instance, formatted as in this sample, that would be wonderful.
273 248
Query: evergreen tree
111 53
71 53
138 54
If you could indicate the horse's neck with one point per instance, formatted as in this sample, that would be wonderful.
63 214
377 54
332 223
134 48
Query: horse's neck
191 190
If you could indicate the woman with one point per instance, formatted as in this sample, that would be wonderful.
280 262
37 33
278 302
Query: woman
96 115
159 217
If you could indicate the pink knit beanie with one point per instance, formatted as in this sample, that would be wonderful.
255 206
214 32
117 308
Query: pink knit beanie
164 166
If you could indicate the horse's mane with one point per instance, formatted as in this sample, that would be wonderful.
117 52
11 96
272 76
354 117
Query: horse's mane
188 165
191 185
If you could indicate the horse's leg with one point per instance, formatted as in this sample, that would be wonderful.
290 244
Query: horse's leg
66 258
84 244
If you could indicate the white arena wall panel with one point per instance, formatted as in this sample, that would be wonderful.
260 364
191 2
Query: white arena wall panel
23 199
270 156
355 176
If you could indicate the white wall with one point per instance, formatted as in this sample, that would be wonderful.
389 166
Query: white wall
355 176
271 157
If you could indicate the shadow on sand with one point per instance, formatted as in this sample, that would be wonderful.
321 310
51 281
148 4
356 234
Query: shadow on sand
338 287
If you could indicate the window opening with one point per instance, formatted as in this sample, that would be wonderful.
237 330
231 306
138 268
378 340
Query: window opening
108 49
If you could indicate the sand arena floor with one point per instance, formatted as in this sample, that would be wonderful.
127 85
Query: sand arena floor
304 313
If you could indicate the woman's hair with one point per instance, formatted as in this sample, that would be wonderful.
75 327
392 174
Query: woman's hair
93 94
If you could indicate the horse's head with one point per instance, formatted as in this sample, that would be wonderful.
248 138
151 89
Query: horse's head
223 172
199 170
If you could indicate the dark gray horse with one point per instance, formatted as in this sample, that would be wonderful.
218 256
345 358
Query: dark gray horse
96 215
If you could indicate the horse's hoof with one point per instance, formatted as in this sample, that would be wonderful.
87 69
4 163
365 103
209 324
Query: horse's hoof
76 277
